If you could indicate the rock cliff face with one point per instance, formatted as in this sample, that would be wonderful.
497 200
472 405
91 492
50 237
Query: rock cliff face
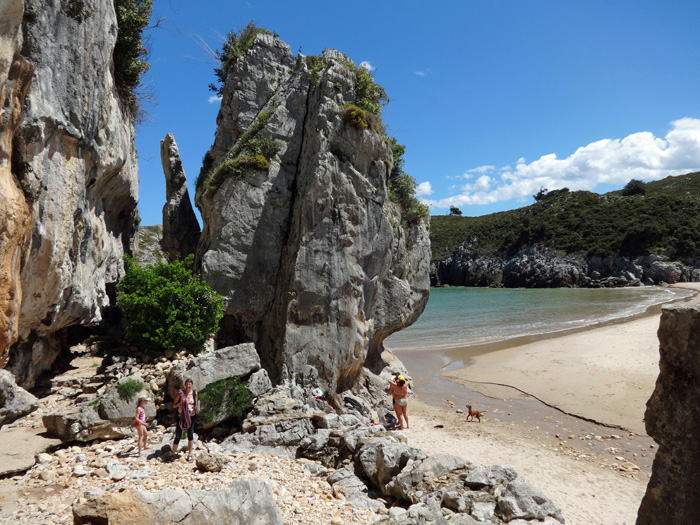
68 175
673 420
536 268
309 252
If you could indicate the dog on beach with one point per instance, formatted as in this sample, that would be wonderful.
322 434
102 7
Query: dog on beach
474 414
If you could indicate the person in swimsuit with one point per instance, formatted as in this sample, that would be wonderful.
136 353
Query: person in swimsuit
140 423
398 390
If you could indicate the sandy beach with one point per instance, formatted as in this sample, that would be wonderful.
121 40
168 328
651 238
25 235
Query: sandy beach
566 412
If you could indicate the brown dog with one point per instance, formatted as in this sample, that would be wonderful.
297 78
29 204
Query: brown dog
474 414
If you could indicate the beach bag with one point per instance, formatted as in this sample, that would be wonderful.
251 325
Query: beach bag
390 421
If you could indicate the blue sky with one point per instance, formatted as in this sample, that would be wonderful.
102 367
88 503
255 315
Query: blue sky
493 99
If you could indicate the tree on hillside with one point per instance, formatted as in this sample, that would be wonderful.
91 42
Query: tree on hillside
634 187
454 210
540 194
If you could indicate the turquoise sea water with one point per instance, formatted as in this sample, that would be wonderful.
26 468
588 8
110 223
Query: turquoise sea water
460 316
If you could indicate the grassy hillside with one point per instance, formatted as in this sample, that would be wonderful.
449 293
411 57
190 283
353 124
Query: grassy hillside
661 217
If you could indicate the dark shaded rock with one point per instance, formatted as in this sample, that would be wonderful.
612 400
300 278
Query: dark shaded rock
673 420
15 401
180 227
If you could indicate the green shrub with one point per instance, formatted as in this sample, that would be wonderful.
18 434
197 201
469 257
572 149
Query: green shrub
316 64
227 395
130 53
402 188
164 306
77 10
634 187
351 114
369 95
237 44
249 152
129 388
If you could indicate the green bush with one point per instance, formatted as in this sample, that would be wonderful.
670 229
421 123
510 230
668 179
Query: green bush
130 53
129 388
402 188
227 395
353 115
249 152
164 306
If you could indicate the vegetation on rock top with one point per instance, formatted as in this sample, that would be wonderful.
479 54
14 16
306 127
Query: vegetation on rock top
660 217
236 44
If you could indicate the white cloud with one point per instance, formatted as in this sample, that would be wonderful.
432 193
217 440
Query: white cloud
424 72
214 99
420 73
369 67
614 161
424 189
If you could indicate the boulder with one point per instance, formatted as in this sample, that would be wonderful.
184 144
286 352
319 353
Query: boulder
209 367
15 402
83 423
211 462
382 458
523 500
119 404
355 490
673 419
243 502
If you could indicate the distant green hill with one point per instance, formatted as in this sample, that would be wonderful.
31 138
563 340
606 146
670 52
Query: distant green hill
661 217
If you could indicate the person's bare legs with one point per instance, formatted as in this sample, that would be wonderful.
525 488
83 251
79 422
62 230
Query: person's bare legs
405 415
399 417
189 448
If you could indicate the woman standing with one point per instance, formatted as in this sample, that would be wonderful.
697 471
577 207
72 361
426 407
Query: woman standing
398 390
140 423
186 404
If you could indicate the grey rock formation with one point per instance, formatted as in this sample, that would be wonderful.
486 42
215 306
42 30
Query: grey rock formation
15 402
244 502
354 489
83 423
309 253
534 267
673 419
521 500
74 160
180 227
209 367
120 408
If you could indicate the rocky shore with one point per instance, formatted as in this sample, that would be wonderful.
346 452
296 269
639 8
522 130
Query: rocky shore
320 465
535 267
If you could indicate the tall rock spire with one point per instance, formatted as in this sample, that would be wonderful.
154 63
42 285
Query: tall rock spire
180 227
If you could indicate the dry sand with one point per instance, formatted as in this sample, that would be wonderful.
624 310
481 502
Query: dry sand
566 412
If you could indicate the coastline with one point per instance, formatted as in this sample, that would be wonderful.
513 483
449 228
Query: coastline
594 464
604 373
